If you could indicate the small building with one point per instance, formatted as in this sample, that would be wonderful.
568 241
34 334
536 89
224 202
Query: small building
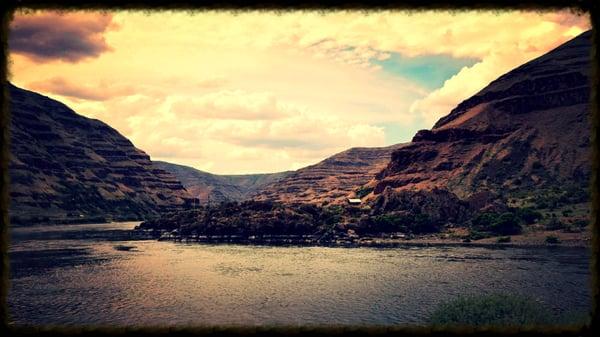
353 201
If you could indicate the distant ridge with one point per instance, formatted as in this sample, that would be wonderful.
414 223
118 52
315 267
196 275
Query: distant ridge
219 188
332 180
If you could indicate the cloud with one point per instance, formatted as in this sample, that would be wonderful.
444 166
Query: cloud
63 87
358 37
512 51
308 132
229 104
295 136
50 36
230 94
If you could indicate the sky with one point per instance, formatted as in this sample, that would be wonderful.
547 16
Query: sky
257 91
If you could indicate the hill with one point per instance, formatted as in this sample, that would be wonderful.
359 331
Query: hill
66 167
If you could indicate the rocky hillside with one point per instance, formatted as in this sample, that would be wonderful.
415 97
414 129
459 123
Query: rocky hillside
219 188
331 180
513 158
66 167
526 133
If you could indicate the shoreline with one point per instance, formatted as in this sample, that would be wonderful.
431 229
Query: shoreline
522 241
69 221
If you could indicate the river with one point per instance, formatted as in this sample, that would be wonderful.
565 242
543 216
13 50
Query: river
96 274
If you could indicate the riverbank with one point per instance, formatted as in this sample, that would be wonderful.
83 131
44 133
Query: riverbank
531 239
36 221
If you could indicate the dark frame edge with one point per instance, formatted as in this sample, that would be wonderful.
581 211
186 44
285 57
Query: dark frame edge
8 8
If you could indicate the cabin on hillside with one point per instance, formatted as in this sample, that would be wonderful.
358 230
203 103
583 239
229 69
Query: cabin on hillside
354 201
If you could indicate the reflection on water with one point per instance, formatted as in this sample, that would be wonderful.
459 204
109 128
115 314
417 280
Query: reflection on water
93 274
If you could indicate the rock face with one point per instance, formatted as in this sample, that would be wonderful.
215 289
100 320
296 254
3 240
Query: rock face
526 131
213 188
439 205
331 180
67 167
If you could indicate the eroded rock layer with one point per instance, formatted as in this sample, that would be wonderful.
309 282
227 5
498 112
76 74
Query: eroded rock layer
68 167
331 180
527 130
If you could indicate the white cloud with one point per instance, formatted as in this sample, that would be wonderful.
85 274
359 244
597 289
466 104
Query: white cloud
228 104
526 46
231 94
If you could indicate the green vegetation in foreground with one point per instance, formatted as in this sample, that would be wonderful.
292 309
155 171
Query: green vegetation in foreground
500 309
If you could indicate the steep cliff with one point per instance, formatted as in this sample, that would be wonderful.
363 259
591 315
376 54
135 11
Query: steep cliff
66 167
525 132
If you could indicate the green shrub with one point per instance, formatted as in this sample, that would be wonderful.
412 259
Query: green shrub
567 212
571 228
332 215
422 223
554 223
417 224
496 309
506 224
484 220
581 223
477 235
552 239
389 223
363 191
577 318
528 215
503 239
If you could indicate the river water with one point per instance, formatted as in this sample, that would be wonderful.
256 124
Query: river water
95 274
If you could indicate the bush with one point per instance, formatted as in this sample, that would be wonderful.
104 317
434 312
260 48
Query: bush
363 191
581 223
571 229
528 215
554 224
578 318
422 223
503 239
567 212
389 223
484 220
506 224
477 235
332 215
552 239
496 309
407 223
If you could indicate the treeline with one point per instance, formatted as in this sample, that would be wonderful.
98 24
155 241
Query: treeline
410 212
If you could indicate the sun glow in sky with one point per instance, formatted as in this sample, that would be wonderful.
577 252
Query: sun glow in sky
249 92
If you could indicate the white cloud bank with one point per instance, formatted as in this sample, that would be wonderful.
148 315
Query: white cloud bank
262 92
